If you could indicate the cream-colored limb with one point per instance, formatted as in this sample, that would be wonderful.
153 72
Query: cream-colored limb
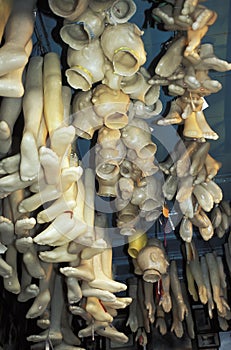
203 197
160 320
13 182
189 6
43 298
112 333
76 225
101 294
51 192
66 97
170 187
42 133
26 246
11 84
185 187
215 283
69 336
6 7
53 103
57 230
83 271
74 292
165 299
79 311
206 278
6 270
221 271
176 291
195 268
177 326
61 139
18 32
188 318
6 224
11 282
50 163
173 116
119 303
203 16
142 313
149 300
215 191
184 161
88 205
57 255
198 158
92 327
172 58
194 40
54 331
24 225
212 167
102 281
28 290
9 112
60 205
32 110
132 320
101 238
95 308
10 164
186 229
210 61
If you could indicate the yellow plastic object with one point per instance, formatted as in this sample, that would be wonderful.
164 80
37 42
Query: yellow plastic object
136 243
